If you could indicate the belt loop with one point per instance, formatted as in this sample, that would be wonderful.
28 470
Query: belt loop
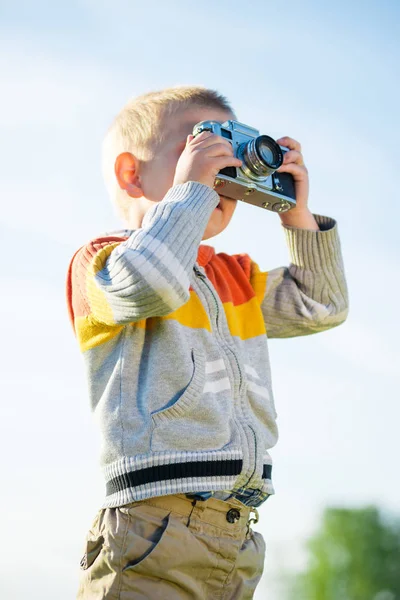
200 505
190 515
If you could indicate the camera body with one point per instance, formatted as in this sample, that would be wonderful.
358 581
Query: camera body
256 181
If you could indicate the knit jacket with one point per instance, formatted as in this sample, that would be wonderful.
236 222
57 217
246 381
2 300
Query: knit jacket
174 339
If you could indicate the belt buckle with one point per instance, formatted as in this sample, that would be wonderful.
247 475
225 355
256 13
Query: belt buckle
199 496
252 520
255 511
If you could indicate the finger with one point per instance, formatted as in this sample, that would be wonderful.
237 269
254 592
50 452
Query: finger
201 136
289 143
299 173
220 162
210 140
216 150
293 156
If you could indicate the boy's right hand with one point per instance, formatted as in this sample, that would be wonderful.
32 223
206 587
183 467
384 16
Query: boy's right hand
203 157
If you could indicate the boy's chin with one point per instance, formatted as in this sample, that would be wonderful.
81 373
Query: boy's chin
215 224
222 200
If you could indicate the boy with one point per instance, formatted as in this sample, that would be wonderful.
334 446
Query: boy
174 339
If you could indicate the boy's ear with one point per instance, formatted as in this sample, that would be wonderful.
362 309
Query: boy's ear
127 173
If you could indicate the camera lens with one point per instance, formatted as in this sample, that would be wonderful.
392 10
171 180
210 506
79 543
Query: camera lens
269 151
262 156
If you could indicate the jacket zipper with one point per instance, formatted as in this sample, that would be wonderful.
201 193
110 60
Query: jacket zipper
203 277
255 453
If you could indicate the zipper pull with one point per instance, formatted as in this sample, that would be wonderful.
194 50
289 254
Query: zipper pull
198 272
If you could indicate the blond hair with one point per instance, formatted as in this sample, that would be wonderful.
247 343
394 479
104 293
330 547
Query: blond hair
140 128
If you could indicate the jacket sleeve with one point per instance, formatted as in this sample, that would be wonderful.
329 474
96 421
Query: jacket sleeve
310 295
148 274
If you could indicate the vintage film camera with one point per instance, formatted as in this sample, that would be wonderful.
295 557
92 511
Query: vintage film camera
256 181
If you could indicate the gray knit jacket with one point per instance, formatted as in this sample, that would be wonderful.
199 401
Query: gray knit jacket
174 339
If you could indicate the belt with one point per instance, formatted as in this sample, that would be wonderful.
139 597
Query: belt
248 497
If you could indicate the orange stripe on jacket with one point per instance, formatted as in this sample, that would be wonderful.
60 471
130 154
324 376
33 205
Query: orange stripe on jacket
237 279
85 261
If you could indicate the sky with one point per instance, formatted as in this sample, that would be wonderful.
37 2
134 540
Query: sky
326 75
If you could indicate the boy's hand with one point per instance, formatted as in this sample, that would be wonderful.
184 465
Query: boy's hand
203 157
300 216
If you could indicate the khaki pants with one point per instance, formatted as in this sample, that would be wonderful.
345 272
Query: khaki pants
172 548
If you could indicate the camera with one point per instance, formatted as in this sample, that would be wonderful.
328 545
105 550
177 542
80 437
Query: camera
256 181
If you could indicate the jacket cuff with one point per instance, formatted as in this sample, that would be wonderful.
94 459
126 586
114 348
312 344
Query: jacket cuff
315 250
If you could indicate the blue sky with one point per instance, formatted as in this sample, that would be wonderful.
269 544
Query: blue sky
325 75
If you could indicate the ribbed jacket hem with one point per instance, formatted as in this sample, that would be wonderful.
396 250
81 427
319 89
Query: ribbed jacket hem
142 477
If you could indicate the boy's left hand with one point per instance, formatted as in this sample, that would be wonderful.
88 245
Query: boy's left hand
293 163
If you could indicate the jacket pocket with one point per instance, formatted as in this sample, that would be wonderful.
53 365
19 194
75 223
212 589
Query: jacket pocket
189 397
197 420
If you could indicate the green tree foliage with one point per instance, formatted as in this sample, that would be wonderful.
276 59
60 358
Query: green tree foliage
354 556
